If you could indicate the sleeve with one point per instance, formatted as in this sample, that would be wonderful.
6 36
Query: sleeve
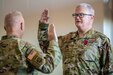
44 62
42 36
46 59
60 42
106 58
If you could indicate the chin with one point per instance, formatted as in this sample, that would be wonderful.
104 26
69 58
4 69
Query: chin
78 25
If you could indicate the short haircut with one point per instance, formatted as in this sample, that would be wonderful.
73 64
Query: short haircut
12 17
88 7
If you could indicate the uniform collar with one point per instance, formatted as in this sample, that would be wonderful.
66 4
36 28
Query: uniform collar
88 34
8 37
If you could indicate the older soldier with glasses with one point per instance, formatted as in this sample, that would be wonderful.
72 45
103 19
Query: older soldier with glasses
86 51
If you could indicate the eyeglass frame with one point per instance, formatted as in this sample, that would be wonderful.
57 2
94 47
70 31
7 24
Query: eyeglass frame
79 15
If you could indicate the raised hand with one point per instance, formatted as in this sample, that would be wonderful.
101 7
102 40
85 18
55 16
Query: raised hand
44 17
52 33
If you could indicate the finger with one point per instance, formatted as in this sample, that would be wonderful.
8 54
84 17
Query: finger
46 12
44 18
51 28
46 15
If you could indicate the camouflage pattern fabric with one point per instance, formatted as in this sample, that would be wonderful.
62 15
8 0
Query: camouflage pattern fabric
18 57
44 43
42 31
88 55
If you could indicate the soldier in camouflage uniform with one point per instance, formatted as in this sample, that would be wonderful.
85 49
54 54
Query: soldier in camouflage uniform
86 51
18 57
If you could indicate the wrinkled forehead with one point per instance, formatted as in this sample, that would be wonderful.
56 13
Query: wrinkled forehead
81 10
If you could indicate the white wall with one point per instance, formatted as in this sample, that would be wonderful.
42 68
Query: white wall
108 20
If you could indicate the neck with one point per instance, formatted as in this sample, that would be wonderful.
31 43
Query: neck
84 30
82 33
13 34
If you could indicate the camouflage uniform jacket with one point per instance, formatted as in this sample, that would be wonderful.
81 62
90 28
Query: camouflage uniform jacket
88 55
18 57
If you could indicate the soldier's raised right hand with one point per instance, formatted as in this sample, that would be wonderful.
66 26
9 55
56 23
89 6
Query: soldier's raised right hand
44 17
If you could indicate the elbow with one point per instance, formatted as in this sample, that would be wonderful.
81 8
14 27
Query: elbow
47 70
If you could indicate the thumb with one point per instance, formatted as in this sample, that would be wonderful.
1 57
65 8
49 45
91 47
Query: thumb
52 33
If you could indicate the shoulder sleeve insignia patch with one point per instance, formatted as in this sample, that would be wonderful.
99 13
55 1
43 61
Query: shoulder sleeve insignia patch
31 54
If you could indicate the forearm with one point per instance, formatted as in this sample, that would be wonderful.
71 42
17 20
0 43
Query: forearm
53 45
42 36
45 44
40 61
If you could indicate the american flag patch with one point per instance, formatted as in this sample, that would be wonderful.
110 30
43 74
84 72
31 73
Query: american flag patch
31 54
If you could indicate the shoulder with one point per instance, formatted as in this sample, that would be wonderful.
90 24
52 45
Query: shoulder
23 45
101 36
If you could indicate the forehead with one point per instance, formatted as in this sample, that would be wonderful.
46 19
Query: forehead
81 10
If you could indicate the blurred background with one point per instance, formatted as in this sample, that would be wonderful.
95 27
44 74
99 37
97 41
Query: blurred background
60 12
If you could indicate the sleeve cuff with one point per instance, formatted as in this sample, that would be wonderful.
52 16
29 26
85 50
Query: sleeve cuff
43 26
53 43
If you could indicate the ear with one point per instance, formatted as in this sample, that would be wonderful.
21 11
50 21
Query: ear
21 26
92 17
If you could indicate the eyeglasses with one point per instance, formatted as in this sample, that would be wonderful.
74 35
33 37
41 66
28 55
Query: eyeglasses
81 15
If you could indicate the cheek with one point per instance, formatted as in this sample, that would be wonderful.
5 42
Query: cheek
85 20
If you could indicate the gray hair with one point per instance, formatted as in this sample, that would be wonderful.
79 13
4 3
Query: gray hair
88 7
12 18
